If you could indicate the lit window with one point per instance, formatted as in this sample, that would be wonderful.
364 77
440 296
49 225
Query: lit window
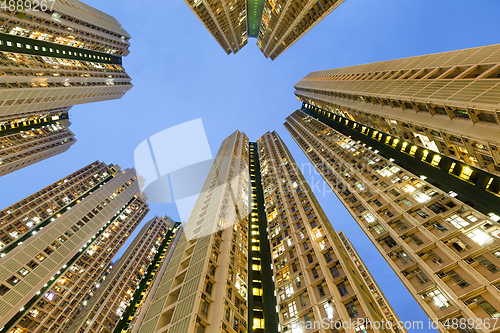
257 291
480 237
439 299
408 188
466 173
457 221
292 308
435 160
258 323
369 217
49 295
421 197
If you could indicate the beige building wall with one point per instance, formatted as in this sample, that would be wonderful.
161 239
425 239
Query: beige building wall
285 21
30 270
68 22
29 146
444 251
142 309
68 53
225 20
447 102
33 83
369 282
207 272
112 293
317 280
18 121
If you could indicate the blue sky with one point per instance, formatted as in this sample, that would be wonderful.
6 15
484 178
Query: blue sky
180 73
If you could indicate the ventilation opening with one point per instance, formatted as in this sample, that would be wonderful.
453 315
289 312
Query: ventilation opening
477 71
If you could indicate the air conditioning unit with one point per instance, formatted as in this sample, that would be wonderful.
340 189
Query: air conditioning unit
470 260
424 296
442 275
391 254
405 273
421 254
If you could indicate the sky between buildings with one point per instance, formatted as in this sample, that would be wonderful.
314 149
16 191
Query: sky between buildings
180 73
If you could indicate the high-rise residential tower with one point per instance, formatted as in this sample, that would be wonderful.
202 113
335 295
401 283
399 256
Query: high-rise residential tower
65 54
259 255
446 251
53 55
205 286
446 102
58 241
276 24
114 292
28 139
136 311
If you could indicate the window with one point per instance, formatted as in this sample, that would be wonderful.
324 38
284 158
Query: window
309 258
302 300
204 308
335 271
321 290
415 239
388 213
403 256
342 289
32 264
422 214
480 237
434 257
487 307
401 225
457 221
208 288
421 197
390 241
368 217
439 227
3 289
488 264
292 308
236 324
211 270
351 310
378 229
328 310
407 202
438 299
227 315
419 276
297 282
13 280
458 279
315 273
394 193
459 245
